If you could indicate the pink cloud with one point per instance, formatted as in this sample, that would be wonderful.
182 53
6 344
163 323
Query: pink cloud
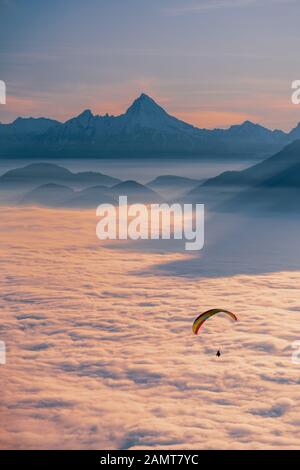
90 365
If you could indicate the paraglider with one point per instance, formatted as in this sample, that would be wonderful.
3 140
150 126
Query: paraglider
209 313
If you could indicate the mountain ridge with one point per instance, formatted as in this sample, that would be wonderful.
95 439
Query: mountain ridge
269 185
37 174
145 129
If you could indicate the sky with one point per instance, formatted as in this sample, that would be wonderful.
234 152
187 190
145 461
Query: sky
212 63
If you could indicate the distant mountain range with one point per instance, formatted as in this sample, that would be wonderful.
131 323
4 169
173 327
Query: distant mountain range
272 185
144 130
51 185
171 186
36 174
47 195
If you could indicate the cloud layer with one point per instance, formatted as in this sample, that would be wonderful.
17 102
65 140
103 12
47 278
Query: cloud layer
99 356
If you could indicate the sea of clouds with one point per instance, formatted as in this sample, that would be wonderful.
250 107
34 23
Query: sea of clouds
100 352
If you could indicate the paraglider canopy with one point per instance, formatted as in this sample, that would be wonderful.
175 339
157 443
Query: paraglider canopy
209 313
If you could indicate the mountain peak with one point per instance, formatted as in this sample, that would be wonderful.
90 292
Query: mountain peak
144 103
248 127
144 96
295 133
253 125
248 123
82 119
86 114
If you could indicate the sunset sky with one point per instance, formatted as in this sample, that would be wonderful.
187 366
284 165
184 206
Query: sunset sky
209 62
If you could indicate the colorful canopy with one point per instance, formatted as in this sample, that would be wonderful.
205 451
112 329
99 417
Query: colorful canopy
209 313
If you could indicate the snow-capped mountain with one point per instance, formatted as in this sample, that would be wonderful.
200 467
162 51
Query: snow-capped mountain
145 129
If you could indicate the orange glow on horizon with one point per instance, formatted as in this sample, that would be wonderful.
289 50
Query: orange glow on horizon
202 116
